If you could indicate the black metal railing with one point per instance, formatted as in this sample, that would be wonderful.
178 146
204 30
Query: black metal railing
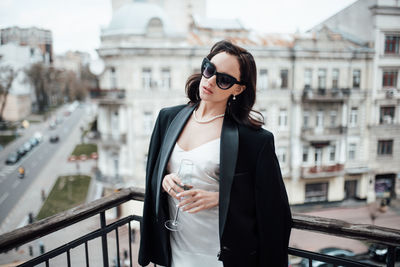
18 237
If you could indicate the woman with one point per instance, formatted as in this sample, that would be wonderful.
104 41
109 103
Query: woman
244 219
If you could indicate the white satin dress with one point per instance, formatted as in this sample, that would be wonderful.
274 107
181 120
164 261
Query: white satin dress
197 243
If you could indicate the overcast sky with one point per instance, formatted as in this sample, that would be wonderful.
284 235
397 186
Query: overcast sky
76 24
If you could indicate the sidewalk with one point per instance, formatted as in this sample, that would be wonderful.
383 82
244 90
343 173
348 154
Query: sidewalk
357 213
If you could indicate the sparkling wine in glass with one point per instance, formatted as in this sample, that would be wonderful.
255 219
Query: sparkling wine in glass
185 174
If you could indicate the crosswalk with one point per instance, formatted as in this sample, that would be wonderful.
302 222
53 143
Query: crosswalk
4 172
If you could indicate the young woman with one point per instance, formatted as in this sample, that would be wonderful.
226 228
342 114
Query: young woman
237 213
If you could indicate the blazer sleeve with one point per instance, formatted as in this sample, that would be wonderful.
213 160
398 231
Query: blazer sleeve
147 225
274 220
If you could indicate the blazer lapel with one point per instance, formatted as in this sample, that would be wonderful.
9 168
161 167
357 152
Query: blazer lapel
171 136
228 157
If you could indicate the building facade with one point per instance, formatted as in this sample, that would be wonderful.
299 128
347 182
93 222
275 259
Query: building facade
315 91
19 48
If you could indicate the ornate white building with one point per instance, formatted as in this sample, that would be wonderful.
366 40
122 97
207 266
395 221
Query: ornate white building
317 92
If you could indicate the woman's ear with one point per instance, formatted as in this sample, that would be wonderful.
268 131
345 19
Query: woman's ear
240 89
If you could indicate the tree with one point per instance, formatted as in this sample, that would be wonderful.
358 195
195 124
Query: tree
7 76
37 75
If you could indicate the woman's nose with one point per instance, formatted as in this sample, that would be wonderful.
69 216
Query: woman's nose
212 80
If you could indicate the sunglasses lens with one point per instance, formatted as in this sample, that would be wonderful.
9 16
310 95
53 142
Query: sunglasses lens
208 70
224 81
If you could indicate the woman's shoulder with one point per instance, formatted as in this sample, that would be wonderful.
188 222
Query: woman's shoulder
259 134
171 111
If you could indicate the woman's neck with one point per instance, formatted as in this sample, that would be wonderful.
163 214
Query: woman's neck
210 109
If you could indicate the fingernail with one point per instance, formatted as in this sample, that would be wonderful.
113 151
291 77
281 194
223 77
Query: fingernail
182 184
178 195
177 205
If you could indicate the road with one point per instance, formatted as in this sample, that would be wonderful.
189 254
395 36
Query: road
12 188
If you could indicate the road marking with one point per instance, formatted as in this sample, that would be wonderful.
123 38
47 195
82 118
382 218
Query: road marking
16 183
3 197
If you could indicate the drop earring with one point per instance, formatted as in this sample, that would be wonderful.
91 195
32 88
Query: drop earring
234 97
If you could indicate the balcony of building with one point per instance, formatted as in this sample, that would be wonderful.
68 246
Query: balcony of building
112 139
325 94
322 171
108 96
317 134
113 243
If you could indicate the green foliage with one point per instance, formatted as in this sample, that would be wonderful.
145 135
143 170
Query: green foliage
68 192
85 149
5 139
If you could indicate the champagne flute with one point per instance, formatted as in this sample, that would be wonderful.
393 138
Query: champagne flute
185 174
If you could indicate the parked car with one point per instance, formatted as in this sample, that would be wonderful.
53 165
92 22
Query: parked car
38 136
33 141
12 158
27 146
54 139
331 251
379 252
21 151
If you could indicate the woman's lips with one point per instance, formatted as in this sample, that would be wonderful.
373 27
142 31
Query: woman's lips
206 91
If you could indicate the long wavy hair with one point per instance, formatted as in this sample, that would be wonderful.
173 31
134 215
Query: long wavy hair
241 109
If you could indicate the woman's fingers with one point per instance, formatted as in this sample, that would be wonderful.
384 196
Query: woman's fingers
196 200
170 185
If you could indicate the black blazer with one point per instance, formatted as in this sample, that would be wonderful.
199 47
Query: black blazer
254 214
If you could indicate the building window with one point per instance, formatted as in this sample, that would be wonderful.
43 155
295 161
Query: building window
263 112
318 156
113 78
332 153
146 78
147 122
387 115
307 78
281 154
283 119
392 43
353 117
305 153
333 116
356 78
316 192
306 119
115 125
335 78
165 79
320 119
321 78
263 81
389 79
352 151
385 147
284 79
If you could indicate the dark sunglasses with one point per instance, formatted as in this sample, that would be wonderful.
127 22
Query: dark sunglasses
224 81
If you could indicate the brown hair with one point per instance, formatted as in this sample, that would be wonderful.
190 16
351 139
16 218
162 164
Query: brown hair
240 109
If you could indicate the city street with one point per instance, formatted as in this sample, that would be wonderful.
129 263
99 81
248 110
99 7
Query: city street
11 186
14 189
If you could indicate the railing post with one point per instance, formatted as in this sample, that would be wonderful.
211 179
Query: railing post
390 256
104 238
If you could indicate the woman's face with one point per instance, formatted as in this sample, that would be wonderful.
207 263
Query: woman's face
209 90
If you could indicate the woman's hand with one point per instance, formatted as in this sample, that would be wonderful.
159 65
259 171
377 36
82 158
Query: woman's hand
172 185
196 200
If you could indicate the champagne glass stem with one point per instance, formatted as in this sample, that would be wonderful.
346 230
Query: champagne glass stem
176 215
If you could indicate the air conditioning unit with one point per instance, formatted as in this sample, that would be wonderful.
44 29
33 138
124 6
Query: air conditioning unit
391 92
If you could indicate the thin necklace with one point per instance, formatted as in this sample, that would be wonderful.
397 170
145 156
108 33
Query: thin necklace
208 120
